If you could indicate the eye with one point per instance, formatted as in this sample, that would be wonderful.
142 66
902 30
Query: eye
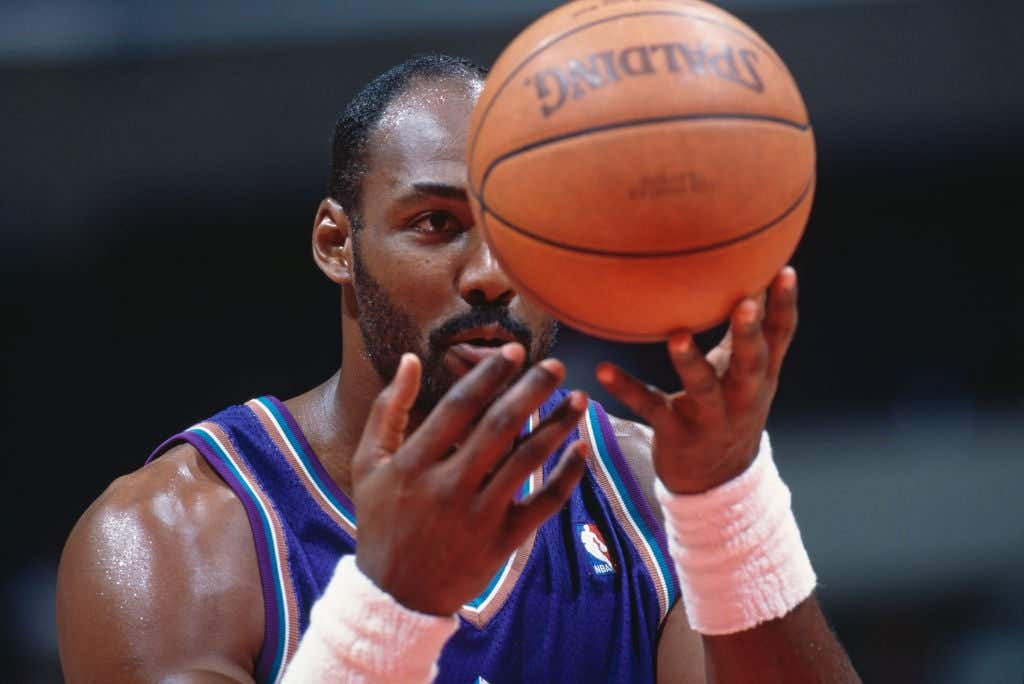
436 223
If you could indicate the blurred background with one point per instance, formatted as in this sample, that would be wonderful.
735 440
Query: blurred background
162 163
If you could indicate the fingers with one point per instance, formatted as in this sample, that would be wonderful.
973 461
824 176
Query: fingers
699 376
389 415
749 360
781 319
535 449
644 400
493 436
461 406
761 338
527 515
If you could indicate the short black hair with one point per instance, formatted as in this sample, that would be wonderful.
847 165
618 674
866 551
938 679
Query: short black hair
361 116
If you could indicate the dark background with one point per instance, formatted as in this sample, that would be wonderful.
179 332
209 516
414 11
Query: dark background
162 166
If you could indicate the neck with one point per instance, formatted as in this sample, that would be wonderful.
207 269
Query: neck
332 415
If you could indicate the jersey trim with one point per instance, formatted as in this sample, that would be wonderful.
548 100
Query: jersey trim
281 631
630 508
480 610
286 436
284 432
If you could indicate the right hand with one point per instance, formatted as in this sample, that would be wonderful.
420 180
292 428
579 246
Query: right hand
437 511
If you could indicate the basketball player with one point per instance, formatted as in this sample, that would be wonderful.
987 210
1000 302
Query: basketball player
508 530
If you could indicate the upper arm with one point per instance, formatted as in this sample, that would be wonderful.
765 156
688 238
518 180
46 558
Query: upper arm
158 581
680 649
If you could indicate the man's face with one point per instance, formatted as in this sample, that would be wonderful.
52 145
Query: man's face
424 278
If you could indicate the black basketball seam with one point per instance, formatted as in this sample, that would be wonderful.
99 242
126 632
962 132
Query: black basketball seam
575 321
565 316
485 209
577 29
648 121
653 255
561 314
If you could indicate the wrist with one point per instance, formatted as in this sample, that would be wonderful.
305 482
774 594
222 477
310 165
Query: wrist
737 549
409 596
359 633
724 471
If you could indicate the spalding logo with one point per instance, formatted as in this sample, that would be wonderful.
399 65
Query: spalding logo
575 78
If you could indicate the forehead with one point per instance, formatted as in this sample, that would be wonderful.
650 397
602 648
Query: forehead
422 136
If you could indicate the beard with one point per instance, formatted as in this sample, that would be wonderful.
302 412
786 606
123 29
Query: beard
389 331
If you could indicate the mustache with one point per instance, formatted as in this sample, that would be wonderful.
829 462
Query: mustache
478 317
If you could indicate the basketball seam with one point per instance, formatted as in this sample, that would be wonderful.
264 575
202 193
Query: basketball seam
512 74
649 255
574 321
579 323
648 121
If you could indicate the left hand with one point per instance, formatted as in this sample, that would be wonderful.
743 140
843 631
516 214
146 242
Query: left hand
709 433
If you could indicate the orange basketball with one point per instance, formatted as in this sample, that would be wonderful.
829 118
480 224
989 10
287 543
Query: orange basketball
639 166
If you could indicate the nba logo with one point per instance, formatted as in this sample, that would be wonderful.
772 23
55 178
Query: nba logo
600 560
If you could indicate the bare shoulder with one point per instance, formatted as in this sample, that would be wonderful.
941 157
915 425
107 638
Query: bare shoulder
159 578
635 441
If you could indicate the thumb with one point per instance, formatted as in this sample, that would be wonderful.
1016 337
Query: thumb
389 416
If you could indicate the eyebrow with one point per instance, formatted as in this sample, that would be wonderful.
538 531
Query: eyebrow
441 190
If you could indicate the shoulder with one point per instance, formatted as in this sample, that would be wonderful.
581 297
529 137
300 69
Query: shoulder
635 441
154 570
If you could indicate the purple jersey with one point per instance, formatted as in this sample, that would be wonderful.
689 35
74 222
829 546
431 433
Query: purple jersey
581 600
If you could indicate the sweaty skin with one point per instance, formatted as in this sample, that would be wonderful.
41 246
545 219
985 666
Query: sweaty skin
159 581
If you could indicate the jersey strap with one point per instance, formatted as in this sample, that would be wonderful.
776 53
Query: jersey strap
281 613
613 475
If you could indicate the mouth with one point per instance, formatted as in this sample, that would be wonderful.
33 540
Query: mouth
470 347
482 342
491 335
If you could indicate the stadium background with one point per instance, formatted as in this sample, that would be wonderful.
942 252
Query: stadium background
162 163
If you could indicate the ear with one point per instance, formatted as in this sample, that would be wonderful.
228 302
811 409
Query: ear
332 244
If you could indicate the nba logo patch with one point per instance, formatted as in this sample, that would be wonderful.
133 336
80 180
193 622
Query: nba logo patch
597 551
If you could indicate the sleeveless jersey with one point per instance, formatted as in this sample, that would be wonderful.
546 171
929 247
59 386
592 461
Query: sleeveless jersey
582 599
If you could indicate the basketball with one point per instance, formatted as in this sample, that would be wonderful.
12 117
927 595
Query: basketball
639 166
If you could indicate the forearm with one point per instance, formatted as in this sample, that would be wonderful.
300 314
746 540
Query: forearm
747 581
796 648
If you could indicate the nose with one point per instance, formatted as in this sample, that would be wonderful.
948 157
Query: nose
482 282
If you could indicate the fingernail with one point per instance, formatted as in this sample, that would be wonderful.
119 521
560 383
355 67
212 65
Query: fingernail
578 401
513 351
788 277
605 373
748 313
682 344
553 366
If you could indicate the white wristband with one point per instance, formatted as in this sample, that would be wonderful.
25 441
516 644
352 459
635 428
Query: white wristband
360 634
737 549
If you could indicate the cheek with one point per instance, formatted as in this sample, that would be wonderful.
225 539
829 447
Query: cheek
421 285
424 279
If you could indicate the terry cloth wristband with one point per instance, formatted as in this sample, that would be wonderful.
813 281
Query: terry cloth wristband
737 549
360 634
